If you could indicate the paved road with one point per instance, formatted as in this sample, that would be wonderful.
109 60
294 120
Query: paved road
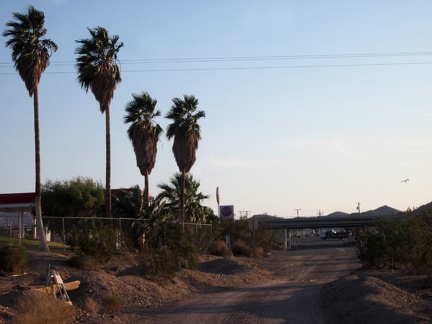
293 298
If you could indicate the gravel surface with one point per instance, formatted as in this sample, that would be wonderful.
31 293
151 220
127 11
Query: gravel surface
316 282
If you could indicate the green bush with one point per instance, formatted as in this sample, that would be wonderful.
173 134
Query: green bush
185 254
163 262
94 240
158 262
13 258
399 244
375 251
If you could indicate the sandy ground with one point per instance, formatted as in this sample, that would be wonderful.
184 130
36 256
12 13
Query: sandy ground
319 282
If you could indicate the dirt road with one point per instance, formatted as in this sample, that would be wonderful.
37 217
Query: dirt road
292 296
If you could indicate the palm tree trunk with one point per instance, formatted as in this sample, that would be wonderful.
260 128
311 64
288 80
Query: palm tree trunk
182 196
146 191
43 245
108 163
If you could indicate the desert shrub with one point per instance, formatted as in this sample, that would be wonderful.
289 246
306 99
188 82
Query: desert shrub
113 303
84 262
399 244
95 240
38 308
158 262
91 305
163 262
13 258
241 248
218 248
374 250
258 252
418 245
185 254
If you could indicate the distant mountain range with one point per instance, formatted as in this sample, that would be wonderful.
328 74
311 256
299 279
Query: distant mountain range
381 211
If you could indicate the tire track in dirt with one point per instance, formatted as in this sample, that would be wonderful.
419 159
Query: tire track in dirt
293 297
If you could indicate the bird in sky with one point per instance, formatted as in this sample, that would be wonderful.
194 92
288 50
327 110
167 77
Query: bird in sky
405 180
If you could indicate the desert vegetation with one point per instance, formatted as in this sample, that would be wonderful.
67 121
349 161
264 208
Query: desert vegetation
399 244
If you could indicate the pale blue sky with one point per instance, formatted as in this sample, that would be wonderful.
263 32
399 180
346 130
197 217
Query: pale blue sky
305 106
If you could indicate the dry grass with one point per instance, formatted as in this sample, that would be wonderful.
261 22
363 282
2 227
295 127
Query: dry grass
38 308
113 304
258 252
218 248
91 305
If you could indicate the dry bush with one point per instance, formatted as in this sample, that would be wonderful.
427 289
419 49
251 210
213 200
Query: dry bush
113 303
13 258
258 252
91 305
84 262
241 248
38 308
218 248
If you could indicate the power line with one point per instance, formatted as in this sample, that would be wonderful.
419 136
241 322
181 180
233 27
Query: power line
249 59
255 58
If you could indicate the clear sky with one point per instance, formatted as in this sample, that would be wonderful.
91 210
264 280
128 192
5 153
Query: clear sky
311 105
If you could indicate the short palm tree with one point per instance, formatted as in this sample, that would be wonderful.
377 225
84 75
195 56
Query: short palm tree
186 132
31 54
144 135
98 70
193 198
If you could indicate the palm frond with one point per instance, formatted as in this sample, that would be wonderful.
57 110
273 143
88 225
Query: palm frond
30 52
97 65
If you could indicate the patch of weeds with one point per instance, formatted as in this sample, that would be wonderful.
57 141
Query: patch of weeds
38 308
13 258
113 303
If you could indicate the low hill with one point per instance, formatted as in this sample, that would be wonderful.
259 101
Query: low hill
380 211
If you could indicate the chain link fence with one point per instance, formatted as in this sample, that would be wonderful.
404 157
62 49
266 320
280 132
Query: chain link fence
127 230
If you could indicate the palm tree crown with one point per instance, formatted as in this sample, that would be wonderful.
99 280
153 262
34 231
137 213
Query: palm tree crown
143 133
30 51
97 65
185 130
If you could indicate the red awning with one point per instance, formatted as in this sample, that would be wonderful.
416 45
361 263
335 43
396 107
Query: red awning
14 202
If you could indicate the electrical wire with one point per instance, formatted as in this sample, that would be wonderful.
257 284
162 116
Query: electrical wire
237 59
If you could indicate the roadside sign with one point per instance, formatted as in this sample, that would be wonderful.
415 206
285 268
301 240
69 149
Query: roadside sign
226 212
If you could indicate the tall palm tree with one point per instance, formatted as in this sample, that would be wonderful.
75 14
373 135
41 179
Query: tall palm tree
31 54
144 134
98 70
186 132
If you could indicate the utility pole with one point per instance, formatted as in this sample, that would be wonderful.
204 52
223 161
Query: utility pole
244 213
297 210
358 208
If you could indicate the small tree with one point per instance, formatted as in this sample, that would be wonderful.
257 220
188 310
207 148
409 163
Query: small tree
79 197
171 194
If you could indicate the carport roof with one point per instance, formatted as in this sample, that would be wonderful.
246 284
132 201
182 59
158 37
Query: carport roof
14 202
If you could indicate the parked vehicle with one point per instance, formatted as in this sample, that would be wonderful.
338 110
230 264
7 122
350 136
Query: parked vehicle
332 234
